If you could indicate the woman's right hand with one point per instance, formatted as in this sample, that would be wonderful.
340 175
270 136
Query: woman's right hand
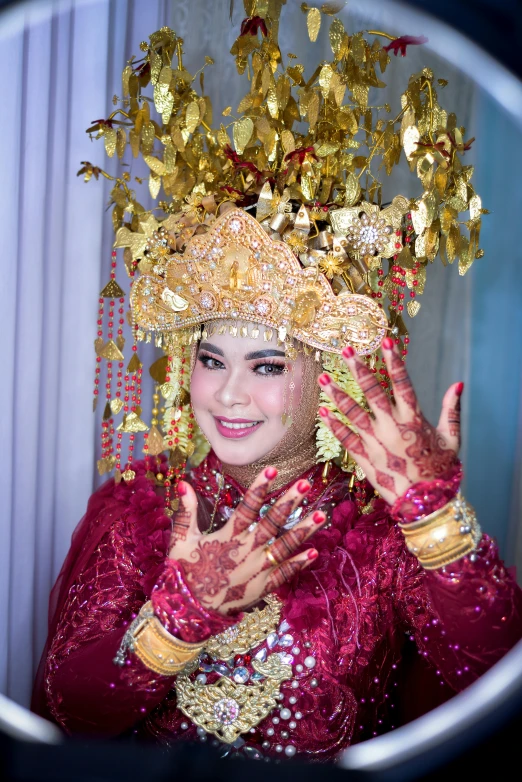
229 570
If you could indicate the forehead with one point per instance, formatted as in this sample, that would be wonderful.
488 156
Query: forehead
239 344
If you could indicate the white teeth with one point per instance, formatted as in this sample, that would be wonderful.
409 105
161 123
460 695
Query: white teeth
228 425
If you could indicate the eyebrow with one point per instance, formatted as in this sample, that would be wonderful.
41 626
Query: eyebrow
248 357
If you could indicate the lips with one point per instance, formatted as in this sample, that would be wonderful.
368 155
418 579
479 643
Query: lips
234 428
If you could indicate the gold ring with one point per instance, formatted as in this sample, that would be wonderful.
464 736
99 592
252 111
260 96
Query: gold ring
271 557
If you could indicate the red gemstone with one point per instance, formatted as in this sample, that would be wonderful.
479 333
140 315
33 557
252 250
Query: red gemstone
238 660
247 659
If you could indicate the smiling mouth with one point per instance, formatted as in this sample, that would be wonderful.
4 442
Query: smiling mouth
239 427
230 425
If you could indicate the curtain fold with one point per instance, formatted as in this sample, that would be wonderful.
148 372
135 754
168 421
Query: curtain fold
62 70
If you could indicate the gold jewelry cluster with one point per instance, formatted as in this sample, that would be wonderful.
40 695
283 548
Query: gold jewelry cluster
226 708
444 536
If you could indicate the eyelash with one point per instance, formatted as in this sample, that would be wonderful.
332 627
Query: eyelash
205 360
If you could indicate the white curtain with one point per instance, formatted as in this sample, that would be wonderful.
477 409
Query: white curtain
61 68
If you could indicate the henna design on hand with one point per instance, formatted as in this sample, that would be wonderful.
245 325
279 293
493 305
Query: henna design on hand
428 450
348 439
180 523
395 463
384 480
285 545
454 420
235 593
351 410
284 572
247 512
371 388
401 382
210 573
271 523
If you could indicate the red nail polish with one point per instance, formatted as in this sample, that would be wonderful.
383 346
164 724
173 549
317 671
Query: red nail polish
460 388
323 412
324 379
303 487
182 489
313 554
270 473
348 352
318 517
387 343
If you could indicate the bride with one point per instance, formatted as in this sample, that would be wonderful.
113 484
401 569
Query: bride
277 599
275 611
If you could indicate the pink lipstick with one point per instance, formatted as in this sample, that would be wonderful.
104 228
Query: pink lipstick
234 428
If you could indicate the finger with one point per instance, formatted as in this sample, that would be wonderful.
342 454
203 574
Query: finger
288 569
401 384
187 513
349 440
369 382
247 511
348 406
270 525
449 421
288 543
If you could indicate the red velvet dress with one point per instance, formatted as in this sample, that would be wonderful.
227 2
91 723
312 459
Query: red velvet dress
372 638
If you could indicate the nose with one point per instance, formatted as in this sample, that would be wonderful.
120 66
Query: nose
232 391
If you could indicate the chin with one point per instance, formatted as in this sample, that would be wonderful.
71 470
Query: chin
237 453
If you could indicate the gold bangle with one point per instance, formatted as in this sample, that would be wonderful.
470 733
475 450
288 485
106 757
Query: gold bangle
273 561
444 536
157 648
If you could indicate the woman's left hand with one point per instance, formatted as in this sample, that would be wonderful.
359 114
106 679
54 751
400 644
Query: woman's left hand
395 445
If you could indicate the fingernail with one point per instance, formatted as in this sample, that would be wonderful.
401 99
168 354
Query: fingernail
387 343
318 517
182 489
270 473
323 412
324 379
460 388
348 352
303 487
313 554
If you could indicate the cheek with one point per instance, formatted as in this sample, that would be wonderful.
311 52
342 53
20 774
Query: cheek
202 384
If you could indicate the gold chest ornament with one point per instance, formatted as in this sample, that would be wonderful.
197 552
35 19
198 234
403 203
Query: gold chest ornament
233 706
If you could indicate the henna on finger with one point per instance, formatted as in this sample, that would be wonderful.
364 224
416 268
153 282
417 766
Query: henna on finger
348 439
247 512
180 523
372 390
273 520
401 383
285 572
287 544
353 411
454 421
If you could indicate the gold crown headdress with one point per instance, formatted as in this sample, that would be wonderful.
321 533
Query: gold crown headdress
275 218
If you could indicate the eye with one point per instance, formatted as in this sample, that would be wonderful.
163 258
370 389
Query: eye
269 369
209 362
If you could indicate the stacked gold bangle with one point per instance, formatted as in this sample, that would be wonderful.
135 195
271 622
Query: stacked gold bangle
444 536
155 646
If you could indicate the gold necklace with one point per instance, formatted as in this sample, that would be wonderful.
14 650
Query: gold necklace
221 483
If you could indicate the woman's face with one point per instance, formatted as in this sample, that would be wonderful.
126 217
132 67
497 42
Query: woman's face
237 396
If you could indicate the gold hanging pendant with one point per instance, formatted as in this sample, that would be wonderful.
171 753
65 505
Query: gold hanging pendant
227 709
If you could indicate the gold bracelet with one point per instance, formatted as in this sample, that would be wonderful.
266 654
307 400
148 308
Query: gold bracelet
444 536
155 646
